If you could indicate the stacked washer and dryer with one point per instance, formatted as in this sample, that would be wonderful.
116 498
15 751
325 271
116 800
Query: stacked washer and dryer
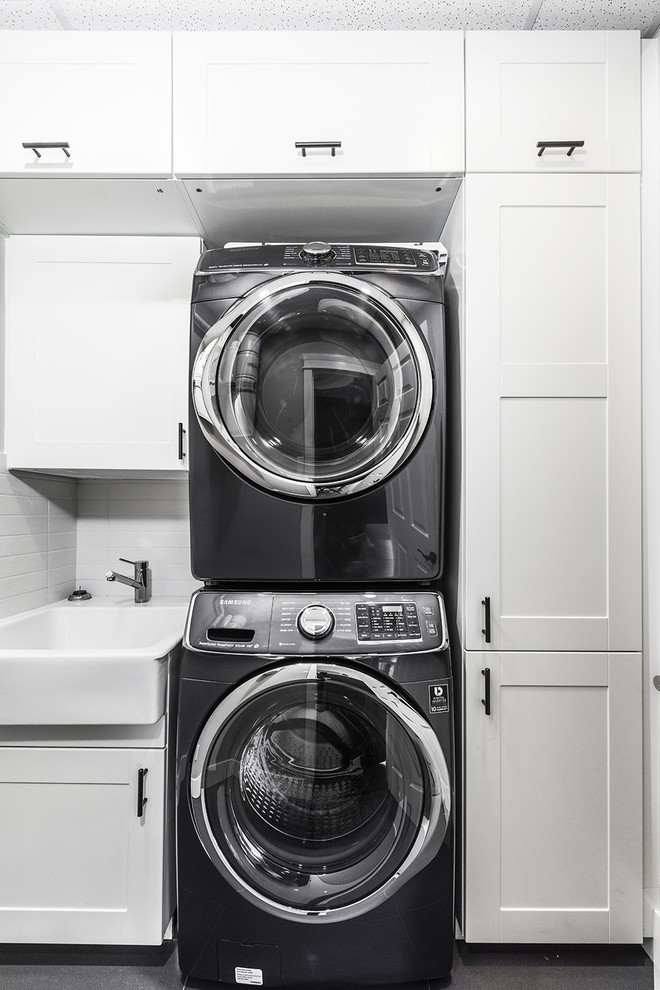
315 819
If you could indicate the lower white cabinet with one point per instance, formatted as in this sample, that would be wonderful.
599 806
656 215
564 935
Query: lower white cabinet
553 798
86 845
97 352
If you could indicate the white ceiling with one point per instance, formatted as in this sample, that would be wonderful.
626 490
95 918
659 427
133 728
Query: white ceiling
239 15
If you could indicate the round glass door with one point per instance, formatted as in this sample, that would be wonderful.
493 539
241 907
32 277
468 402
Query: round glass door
317 790
315 385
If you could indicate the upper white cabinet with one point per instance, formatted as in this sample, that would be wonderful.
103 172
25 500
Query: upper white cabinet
552 413
260 102
97 352
102 98
529 87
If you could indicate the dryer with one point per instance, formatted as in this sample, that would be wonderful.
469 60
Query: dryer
317 419
315 789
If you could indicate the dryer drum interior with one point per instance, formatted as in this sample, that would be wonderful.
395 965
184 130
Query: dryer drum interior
313 382
316 794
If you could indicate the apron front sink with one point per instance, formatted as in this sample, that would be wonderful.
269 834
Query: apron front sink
89 663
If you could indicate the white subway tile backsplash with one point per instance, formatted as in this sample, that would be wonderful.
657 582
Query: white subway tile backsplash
21 525
148 508
23 584
62 558
24 563
22 603
139 520
57 533
65 540
37 540
28 543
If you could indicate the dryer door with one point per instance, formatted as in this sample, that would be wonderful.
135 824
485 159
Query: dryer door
315 385
317 790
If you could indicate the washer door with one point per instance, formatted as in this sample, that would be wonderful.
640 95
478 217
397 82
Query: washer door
316 385
317 791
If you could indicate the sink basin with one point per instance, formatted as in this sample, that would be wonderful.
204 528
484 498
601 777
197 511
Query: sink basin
88 663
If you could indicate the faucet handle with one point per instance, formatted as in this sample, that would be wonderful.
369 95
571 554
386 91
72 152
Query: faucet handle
134 562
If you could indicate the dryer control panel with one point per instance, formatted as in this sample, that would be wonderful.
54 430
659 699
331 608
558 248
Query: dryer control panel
320 254
316 623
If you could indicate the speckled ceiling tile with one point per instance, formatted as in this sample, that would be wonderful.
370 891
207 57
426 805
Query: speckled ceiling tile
264 15
27 15
588 15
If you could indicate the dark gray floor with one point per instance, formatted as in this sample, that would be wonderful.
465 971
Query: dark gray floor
62 968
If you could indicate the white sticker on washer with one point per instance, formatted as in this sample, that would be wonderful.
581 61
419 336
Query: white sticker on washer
255 977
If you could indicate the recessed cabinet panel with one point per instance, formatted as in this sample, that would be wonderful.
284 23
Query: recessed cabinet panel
553 492
552 421
554 844
576 94
553 798
102 98
261 102
97 341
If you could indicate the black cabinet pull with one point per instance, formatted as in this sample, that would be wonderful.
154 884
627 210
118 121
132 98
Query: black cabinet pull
141 799
333 145
571 145
485 701
35 145
486 630
182 433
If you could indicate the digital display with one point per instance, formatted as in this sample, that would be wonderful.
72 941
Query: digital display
393 608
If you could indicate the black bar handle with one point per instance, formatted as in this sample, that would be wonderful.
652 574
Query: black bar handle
333 145
486 700
35 145
486 629
182 433
571 145
141 799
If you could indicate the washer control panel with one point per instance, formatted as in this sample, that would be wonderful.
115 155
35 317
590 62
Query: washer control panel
300 624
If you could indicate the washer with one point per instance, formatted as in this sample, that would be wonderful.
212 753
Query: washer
317 419
315 789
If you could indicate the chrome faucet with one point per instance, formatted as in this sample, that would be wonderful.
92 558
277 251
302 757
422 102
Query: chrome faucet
141 580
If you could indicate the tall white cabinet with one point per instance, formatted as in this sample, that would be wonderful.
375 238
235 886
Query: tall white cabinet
552 548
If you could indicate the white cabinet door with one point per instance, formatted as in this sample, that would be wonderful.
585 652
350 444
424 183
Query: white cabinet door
552 412
97 351
526 87
553 798
244 100
77 863
107 95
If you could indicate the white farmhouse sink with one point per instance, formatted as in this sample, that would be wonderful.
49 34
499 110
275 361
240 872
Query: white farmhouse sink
102 662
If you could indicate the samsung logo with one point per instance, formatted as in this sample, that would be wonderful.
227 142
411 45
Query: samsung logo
236 601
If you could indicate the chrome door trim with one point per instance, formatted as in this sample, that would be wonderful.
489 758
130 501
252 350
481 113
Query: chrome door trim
205 368
432 828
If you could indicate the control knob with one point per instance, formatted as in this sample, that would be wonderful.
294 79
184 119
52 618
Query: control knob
316 621
316 252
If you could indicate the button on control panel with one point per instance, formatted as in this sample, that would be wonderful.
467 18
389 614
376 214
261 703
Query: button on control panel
387 621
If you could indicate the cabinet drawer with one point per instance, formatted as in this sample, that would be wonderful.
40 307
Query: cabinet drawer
525 88
257 102
104 96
